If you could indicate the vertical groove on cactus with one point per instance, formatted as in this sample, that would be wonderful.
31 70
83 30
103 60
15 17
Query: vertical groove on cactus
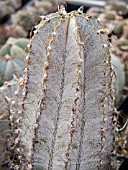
67 117
77 85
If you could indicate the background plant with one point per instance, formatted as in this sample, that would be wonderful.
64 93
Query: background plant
12 58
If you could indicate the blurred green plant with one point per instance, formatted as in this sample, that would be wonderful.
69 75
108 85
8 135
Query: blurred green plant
12 58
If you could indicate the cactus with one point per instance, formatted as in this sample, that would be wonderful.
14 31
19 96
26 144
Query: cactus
68 116
65 117
120 77
12 58
10 114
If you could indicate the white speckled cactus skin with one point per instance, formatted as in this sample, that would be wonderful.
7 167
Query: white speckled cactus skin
68 114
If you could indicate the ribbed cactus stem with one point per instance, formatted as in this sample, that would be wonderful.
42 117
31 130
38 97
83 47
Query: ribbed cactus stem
10 111
67 122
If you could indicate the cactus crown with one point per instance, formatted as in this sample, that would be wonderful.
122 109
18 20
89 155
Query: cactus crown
68 115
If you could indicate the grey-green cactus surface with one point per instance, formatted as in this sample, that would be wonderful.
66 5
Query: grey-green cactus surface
68 116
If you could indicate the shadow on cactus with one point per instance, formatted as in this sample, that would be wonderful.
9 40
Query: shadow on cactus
12 58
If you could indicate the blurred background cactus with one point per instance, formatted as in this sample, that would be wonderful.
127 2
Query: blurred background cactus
12 58
8 7
21 15
30 15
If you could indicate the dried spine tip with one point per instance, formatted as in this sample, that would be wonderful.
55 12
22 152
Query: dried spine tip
23 93
11 117
36 26
87 18
16 92
103 138
27 57
53 33
102 31
105 45
46 64
43 17
81 60
28 45
36 125
62 10
30 166
81 9
49 48
13 102
45 75
35 32
25 70
99 20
